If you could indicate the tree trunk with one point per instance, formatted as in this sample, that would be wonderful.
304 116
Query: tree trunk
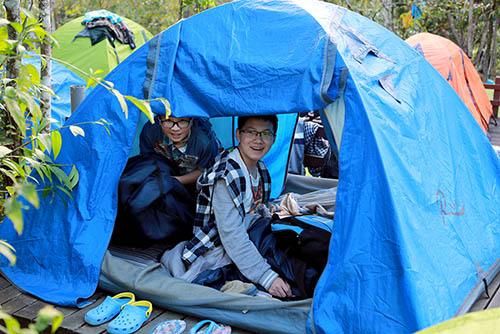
46 53
181 8
456 35
470 29
491 70
13 15
53 16
387 8
481 52
12 10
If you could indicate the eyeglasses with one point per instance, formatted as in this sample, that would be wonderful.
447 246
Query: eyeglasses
265 135
182 124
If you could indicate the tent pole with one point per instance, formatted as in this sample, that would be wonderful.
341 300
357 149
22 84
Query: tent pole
77 95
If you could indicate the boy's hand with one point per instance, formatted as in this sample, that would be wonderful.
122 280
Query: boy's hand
280 288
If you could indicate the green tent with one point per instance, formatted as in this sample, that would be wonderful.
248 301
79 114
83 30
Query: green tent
80 53
484 322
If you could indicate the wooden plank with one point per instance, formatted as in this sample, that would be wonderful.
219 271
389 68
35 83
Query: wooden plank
3 283
17 303
67 311
75 320
9 293
30 312
492 86
87 329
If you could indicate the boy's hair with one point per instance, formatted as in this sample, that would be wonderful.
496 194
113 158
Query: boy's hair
270 118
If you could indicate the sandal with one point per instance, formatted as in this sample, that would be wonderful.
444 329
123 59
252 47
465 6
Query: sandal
170 327
212 328
109 308
131 318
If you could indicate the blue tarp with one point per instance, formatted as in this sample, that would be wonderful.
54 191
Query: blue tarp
417 219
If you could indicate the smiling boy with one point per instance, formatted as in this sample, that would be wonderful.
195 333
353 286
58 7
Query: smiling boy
181 140
229 194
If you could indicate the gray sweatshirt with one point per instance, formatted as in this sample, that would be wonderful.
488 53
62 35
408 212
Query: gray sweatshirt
234 237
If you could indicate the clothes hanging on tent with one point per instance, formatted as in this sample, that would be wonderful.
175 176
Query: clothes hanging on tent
97 35
97 28
102 13
310 146
153 206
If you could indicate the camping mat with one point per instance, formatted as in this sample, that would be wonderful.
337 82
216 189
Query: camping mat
147 255
149 280
302 184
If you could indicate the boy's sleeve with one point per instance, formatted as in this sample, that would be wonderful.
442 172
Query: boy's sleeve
149 135
235 240
208 152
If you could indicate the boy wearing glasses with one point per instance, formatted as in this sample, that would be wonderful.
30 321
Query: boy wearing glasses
184 143
230 193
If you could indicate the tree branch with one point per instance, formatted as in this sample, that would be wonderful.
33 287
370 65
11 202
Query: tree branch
46 52
453 28
470 28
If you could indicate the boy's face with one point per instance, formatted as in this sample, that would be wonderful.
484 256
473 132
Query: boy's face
176 129
256 138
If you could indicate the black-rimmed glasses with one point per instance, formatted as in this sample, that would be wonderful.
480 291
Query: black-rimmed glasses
265 135
182 124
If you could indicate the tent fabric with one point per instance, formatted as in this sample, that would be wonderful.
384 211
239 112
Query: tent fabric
417 220
457 68
102 56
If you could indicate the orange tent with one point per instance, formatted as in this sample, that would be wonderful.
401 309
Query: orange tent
458 70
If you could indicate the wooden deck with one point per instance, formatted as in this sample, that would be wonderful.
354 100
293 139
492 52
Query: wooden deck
25 308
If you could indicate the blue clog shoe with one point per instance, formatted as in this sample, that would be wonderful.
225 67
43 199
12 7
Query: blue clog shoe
131 318
109 308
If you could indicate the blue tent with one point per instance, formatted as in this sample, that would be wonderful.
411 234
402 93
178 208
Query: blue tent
62 79
417 222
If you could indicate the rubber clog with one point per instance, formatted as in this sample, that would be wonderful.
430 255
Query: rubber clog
170 327
109 308
131 318
211 328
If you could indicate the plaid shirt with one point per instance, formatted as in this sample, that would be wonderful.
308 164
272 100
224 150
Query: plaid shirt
314 144
205 231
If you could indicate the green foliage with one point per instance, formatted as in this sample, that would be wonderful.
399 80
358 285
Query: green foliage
447 18
47 317
28 149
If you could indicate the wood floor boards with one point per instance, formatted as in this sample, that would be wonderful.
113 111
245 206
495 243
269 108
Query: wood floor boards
25 309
